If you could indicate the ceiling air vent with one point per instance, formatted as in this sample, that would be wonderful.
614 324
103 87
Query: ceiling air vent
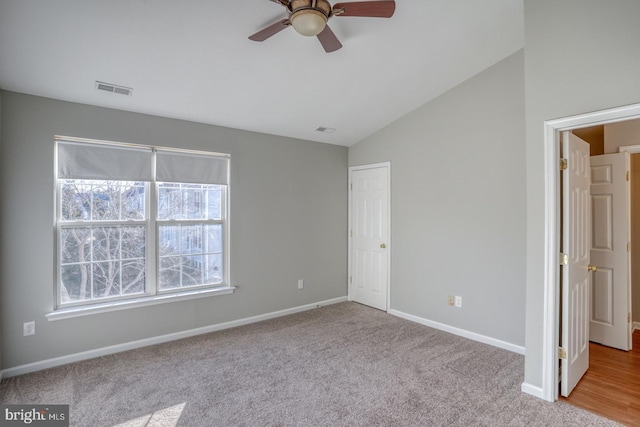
324 129
108 87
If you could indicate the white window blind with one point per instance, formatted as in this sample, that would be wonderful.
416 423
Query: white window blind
172 166
101 161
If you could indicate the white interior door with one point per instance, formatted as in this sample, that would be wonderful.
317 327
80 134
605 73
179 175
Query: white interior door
576 244
369 236
611 283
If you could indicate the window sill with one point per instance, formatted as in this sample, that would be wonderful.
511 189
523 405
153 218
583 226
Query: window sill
68 313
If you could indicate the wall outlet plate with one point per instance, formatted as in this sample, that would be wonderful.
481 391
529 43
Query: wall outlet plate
300 284
458 301
29 328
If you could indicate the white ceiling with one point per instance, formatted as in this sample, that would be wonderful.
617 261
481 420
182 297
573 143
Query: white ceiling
192 60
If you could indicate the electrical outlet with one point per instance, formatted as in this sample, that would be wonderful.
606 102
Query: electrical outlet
458 301
300 283
450 299
29 328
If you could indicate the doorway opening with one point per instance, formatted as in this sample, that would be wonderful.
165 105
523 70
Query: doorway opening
610 363
553 130
595 284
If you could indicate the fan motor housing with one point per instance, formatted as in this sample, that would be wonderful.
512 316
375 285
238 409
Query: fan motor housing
322 6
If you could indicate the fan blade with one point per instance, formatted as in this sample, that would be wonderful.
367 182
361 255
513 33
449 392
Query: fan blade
269 31
285 3
329 41
374 9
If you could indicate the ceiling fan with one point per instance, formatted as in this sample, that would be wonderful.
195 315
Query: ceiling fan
309 18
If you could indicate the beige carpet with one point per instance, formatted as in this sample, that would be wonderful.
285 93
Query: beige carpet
341 365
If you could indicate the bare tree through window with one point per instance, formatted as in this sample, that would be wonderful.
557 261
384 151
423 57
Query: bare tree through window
102 253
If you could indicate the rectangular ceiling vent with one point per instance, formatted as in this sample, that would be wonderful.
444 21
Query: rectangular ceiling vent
108 87
325 129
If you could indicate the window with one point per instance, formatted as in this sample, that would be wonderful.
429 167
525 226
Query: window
102 239
189 235
137 221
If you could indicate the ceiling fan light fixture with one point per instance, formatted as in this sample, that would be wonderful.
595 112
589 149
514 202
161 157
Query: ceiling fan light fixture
308 22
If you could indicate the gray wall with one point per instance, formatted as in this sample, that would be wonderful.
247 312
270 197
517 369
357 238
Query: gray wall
288 222
580 56
458 203
1 210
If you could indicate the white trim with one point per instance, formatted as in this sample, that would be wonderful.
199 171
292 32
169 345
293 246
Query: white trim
370 166
460 332
552 129
551 267
86 310
532 390
386 165
90 354
631 149
636 326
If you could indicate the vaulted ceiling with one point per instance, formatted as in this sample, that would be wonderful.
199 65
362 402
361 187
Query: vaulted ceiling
193 60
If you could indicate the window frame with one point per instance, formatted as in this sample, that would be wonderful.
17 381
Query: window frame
152 293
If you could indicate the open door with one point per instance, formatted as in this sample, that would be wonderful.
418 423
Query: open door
610 319
576 245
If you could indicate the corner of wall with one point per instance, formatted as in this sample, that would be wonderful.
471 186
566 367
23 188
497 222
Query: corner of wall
1 287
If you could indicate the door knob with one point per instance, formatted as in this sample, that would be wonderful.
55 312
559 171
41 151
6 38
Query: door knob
382 245
592 268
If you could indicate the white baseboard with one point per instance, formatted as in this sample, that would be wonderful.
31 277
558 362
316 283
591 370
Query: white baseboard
104 351
461 332
532 390
636 326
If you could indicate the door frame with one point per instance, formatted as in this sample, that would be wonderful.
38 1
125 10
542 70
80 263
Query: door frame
550 321
631 149
352 169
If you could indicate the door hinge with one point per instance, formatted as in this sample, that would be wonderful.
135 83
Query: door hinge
562 353
628 246
627 175
563 164
350 279
564 259
351 233
351 186
628 317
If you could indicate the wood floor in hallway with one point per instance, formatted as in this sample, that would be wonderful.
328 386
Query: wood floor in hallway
611 386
